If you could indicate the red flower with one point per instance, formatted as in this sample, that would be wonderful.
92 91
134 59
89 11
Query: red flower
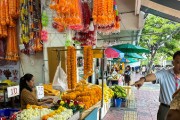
58 102
75 102
68 101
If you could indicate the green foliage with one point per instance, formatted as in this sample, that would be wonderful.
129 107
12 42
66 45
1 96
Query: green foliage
161 37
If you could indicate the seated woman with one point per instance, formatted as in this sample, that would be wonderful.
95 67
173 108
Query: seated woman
27 94
174 112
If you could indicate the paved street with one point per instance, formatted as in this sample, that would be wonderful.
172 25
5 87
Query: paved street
142 105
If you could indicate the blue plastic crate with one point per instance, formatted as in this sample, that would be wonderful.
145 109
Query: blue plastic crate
7 112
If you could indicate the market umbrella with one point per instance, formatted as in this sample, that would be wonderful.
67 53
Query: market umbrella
113 53
129 48
131 60
123 60
133 55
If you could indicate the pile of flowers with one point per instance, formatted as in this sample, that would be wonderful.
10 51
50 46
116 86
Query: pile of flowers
72 104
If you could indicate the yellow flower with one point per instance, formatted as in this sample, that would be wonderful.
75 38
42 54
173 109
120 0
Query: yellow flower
71 104
62 103
81 105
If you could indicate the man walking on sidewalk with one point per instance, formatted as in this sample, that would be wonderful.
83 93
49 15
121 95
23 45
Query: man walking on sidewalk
169 81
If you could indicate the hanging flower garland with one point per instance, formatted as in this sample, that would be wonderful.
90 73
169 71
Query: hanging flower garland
88 61
44 35
105 16
44 19
103 12
86 37
69 77
69 13
12 46
9 13
71 67
30 26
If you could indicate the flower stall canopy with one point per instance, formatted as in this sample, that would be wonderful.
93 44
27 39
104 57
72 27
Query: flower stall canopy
113 53
133 55
129 48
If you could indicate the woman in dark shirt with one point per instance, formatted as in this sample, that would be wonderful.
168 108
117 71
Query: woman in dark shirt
127 75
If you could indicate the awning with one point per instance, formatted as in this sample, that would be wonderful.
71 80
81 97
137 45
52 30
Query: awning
169 9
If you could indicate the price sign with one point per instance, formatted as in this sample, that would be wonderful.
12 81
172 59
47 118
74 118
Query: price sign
13 91
40 92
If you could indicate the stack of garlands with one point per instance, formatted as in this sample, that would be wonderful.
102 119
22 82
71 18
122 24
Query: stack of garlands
69 13
86 93
105 16
71 67
88 61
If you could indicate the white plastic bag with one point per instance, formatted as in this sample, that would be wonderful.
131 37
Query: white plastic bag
60 80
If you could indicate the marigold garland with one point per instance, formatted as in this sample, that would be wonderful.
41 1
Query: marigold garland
105 16
71 67
12 47
69 13
88 61
9 12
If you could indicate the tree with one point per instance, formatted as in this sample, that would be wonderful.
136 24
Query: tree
160 36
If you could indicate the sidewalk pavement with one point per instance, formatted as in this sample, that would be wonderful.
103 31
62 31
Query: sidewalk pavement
142 105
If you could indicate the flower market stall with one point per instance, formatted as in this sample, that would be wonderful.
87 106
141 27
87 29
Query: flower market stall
85 92
25 28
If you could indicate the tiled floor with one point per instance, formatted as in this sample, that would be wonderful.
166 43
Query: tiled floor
142 105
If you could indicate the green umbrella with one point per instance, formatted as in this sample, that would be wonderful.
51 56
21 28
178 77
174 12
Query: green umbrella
133 55
131 60
129 48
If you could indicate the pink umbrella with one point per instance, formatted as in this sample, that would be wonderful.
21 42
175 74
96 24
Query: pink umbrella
113 53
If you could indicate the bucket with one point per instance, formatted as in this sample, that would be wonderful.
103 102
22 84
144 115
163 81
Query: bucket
118 102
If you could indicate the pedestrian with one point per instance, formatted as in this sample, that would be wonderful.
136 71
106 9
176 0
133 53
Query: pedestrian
127 75
143 69
153 68
97 75
169 81
174 112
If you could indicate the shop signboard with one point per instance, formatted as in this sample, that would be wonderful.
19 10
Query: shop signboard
97 53
40 92
13 91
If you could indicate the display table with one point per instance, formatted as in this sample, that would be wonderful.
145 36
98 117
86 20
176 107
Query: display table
87 112
76 116
105 108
